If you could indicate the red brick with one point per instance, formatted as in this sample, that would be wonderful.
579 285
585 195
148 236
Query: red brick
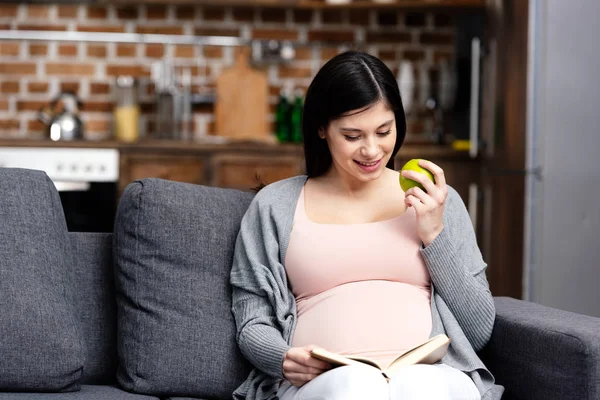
70 69
443 20
330 36
69 87
328 53
127 12
277 15
161 30
36 126
388 37
8 10
98 126
97 12
98 106
18 68
303 16
31 27
99 88
332 16
277 34
436 38
38 11
184 51
9 87
359 17
3 105
69 50
9 124
155 50
185 12
9 48
413 55
217 32
133 70
303 53
38 49
387 18
415 19
96 50
29 105
388 55
213 52
156 11
65 11
243 14
101 28
126 50
213 13
37 87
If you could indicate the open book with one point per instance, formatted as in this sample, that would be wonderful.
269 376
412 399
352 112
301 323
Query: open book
428 352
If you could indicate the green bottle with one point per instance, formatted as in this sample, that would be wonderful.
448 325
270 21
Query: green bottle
282 117
296 117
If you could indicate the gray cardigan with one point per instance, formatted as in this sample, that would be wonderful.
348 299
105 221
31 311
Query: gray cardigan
264 307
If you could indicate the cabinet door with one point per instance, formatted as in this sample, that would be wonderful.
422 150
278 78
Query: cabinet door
247 172
190 169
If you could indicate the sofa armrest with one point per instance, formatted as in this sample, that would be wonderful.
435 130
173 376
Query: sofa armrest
538 352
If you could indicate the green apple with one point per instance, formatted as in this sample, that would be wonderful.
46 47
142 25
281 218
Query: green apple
413 165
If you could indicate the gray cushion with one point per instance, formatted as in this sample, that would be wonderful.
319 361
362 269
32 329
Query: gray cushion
86 393
538 352
40 344
95 304
173 249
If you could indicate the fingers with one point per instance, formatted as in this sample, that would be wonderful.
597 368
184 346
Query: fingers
413 201
438 173
297 379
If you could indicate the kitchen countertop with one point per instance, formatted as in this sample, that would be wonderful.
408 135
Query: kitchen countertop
408 150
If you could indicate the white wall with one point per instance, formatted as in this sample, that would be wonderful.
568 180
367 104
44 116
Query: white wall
564 130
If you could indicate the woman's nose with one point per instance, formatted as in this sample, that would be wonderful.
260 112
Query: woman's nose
369 149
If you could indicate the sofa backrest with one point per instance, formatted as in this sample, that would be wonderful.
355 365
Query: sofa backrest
95 305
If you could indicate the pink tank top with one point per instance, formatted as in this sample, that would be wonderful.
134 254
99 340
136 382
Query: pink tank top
361 289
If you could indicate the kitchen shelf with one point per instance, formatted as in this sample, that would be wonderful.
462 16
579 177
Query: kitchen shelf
316 4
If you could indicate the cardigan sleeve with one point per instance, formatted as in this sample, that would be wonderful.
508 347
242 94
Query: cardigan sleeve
457 272
258 279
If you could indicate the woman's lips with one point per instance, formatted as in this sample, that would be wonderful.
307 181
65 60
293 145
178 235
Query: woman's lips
368 167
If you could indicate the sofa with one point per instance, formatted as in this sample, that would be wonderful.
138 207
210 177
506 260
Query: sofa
143 312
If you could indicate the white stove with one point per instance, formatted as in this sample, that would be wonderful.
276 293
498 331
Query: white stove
68 168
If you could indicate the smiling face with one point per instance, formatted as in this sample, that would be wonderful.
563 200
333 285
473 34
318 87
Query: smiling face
361 143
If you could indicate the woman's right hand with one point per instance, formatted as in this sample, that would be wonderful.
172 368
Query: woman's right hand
299 367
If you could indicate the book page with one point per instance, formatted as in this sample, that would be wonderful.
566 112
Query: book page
429 352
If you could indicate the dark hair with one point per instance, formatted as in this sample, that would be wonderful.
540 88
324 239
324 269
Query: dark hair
349 81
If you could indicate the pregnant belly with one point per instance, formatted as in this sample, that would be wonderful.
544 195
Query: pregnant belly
375 319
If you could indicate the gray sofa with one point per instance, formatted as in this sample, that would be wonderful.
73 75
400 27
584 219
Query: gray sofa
144 312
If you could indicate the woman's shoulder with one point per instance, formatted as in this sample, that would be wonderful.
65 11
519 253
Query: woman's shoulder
281 191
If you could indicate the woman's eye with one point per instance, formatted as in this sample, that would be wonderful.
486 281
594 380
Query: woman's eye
385 133
351 138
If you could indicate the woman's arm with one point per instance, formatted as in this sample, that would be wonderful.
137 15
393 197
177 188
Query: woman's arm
256 278
457 272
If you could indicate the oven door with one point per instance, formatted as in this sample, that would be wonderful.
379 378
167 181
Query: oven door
88 206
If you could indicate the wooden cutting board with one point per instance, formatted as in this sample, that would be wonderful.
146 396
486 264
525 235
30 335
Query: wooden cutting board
242 106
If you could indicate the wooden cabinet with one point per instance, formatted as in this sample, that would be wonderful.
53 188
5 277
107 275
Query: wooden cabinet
245 172
188 169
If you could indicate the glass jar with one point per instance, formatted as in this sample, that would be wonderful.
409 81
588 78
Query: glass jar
127 110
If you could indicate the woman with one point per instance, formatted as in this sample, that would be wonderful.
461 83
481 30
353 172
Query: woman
343 259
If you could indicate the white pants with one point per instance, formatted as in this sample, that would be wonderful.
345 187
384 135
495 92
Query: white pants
422 382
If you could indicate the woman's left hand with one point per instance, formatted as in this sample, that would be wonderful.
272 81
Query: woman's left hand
429 206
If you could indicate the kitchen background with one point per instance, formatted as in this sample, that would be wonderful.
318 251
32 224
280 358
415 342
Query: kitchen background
33 72
498 93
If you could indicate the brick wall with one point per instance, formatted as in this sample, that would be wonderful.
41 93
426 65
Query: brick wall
32 72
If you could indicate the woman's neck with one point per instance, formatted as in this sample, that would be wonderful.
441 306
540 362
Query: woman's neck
349 186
